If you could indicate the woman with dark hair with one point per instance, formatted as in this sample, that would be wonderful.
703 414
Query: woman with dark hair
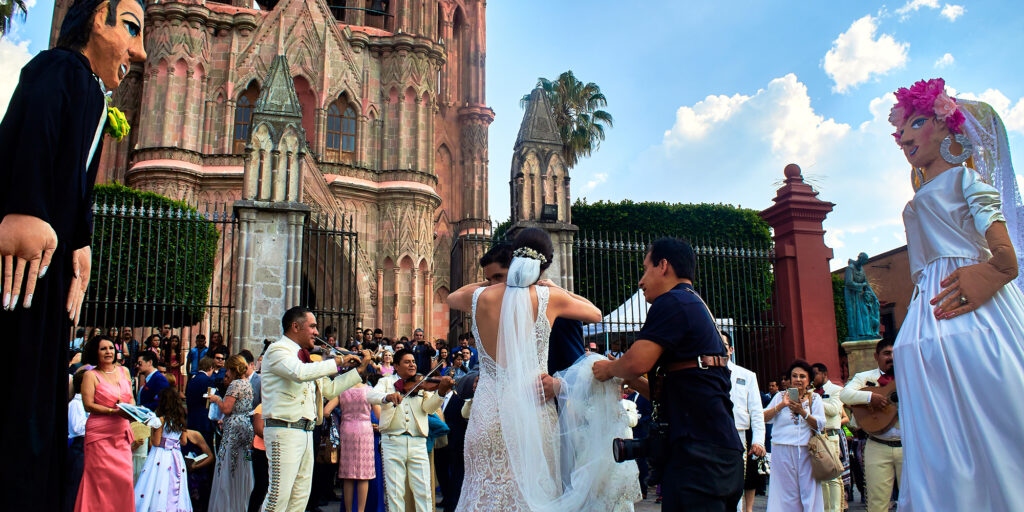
514 428
792 486
163 483
153 344
171 358
107 471
232 477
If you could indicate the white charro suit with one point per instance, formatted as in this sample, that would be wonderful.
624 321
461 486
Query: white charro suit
404 431
292 391
883 464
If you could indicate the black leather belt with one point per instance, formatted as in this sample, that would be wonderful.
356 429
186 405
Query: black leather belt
303 424
892 444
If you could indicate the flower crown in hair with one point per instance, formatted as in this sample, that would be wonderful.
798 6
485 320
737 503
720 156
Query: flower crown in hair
526 252
926 97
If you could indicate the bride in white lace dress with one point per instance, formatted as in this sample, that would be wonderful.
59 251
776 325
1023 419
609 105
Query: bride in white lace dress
521 453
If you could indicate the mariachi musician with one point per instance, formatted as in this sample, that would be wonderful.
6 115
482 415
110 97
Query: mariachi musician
883 453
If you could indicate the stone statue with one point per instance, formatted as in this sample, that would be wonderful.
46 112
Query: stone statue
861 302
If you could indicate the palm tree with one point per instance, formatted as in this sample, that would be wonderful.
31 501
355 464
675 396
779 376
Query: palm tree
575 108
9 8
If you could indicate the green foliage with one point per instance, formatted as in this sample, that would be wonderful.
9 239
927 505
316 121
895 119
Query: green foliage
153 259
733 247
701 223
576 109
839 302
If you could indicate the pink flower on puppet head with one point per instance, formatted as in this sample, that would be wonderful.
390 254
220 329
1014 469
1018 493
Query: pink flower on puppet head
927 98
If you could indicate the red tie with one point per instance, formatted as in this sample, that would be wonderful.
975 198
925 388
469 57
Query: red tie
820 391
303 355
885 378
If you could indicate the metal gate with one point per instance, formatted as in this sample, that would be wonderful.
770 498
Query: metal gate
329 249
155 265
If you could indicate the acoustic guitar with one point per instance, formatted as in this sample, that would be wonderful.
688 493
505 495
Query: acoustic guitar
875 420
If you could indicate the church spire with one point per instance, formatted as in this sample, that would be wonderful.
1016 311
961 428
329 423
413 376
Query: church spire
278 97
538 125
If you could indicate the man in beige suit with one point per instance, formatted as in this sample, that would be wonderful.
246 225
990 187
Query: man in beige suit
883 453
831 490
293 391
404 428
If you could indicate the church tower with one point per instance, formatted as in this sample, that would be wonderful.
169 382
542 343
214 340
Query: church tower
540 184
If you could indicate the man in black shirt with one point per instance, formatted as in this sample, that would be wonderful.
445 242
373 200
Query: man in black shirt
705 468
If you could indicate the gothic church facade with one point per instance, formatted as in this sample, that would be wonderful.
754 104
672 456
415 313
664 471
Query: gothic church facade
393 116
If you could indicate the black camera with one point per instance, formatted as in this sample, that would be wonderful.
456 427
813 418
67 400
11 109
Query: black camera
654 448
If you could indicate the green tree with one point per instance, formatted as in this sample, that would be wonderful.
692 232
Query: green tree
576 108
9 9
839 303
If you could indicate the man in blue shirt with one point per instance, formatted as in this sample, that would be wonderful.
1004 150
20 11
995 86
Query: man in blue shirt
680 341
155 381
198 418
196 353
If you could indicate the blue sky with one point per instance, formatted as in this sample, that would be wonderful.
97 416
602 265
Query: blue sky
712 99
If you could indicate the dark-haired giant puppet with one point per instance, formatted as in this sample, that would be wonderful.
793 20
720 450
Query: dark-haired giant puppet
49 153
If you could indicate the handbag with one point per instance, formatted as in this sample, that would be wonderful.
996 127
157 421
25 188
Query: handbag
825 464
328 451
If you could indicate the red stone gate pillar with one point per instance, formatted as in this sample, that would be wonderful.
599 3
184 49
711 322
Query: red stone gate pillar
803 283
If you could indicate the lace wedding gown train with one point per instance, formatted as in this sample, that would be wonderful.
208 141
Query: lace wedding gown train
577 471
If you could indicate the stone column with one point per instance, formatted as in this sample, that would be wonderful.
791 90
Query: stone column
414 291
428 302
169 109
394 312
802 279
378 320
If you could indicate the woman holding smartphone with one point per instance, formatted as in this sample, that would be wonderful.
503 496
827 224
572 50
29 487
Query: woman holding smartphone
792 487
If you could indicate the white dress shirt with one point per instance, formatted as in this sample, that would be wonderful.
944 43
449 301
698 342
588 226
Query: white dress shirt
833 405
746 402
292 389
853 395
794 433
76 417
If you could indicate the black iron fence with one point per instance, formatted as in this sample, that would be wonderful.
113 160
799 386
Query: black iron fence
735 280
329 249
155 265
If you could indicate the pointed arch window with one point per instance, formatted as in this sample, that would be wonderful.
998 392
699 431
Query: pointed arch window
340 143
243 117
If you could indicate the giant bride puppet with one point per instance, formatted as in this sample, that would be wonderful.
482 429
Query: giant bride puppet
960 353
49 153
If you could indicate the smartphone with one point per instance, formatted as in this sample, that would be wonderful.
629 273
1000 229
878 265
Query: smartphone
794 394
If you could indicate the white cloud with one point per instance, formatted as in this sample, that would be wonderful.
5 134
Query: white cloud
857 54
598 179
13 56
952 12
949 11
744 140
945 61
914 6
693 122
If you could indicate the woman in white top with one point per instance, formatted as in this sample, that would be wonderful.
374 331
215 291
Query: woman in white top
792 487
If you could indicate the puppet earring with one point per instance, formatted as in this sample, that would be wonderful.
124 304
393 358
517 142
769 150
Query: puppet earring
963 156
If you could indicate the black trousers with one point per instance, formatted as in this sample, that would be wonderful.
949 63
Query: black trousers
701 477
260 479
76 465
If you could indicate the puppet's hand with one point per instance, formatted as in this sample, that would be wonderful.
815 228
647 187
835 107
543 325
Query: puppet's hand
24 239
81 264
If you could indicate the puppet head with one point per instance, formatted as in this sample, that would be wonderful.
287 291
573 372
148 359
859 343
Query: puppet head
108 33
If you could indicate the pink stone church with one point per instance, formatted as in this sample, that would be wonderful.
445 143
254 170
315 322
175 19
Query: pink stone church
393 112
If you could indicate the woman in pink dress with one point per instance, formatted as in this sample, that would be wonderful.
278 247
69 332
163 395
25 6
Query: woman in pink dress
355 465
107 473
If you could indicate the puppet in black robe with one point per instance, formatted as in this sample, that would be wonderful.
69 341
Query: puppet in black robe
45 141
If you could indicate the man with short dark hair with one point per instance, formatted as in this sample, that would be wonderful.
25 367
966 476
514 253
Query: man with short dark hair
198 418
295 389
404 428
423 350
883 452
154 383
680 341
831 490
196 353
378 335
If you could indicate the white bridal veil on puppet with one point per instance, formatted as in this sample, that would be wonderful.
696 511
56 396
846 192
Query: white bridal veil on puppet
991 159
589 415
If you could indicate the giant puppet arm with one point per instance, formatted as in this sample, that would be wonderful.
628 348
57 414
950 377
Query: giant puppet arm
978 283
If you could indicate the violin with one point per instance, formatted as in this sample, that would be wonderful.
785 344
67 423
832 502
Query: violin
418 383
